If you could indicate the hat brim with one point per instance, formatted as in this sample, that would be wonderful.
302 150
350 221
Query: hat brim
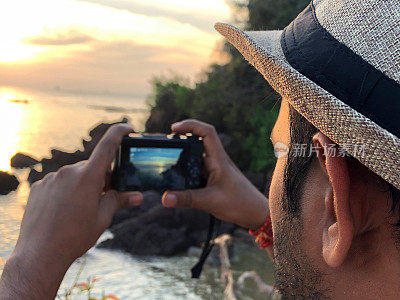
373 146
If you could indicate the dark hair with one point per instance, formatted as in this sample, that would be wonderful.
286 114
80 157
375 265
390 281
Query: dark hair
297 167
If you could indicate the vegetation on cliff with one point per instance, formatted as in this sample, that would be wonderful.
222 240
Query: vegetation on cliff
233 97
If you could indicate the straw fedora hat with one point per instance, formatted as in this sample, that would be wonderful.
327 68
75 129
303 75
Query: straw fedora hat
338 64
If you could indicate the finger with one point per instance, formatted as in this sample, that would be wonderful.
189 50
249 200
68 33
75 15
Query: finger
107 181
104 153
212 143
112 201
202 199
129 199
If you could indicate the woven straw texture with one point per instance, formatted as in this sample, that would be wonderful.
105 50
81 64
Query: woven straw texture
371 28
338 121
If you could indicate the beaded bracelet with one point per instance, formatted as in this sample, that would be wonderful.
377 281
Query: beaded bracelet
264 236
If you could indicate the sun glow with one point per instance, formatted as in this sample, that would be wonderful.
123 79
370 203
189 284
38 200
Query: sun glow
17 52
11 117
15 24
22 20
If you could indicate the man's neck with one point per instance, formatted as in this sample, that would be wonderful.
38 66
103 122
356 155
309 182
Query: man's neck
372 269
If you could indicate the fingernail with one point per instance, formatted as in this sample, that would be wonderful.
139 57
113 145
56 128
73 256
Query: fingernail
170 200
135 199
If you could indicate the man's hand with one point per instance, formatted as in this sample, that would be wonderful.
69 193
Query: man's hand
229 196
66 213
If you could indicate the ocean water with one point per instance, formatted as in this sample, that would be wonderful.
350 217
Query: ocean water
57 119
34 122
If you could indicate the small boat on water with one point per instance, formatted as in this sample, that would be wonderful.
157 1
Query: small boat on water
22 101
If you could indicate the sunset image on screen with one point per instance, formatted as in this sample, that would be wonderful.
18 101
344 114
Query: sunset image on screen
160 168
154 160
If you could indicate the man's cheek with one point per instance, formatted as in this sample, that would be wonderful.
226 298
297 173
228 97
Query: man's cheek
276 191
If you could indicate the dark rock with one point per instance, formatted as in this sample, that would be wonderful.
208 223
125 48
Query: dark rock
57 160
258 180
157 232
226 140
96 134
8 183
21 160
160 120
242 235
60 158
150 200
161 231
35 176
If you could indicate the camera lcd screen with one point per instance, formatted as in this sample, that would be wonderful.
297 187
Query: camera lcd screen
161 168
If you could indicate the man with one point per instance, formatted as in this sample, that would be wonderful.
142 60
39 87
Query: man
334 216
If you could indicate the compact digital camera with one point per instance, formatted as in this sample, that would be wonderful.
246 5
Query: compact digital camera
158 162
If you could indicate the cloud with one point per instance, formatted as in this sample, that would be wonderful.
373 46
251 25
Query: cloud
70 37
200 17
119 67
100 45
77 24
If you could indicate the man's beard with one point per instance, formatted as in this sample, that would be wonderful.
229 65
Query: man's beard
296 277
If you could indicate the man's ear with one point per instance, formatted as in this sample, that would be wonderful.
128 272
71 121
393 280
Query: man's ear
338 229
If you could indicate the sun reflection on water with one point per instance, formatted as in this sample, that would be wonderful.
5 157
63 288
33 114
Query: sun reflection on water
11 117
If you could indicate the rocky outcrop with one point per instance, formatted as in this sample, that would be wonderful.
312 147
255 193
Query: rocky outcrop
8 183
60 158
21 160
151 199
156 230
258 180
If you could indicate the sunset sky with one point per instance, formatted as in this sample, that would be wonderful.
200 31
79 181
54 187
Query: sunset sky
154 156
105 45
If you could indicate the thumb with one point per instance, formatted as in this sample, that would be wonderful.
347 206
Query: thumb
203 199
112 201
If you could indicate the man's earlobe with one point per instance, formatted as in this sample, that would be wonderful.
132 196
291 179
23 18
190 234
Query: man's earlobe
338 229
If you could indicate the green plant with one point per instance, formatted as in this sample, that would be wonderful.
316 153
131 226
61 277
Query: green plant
233 96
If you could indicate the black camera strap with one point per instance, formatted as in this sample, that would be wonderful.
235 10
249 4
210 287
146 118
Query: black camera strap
213 228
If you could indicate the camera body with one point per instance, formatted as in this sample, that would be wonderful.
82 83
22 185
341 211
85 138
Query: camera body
158 162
